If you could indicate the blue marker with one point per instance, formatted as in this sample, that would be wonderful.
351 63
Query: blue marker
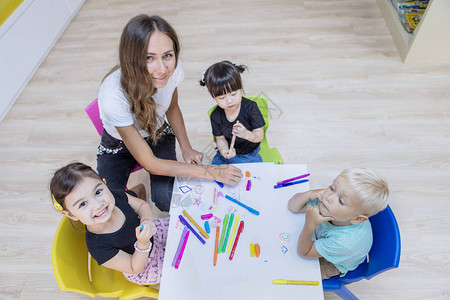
185 223
289 183
208 230
141 226
252 210
219 183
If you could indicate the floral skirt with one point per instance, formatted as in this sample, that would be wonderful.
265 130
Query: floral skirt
153 269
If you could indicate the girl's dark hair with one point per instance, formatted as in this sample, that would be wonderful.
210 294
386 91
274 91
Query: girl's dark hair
135 81
222 78
67 178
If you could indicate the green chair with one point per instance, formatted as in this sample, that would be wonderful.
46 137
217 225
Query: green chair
76 271
268 154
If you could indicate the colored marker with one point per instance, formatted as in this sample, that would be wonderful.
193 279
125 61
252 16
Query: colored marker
186 223
241 228
180 244
225 223
219 183
141 227
216 244
206 217
284 281
205 235
207 227
252 249
253 211
249 185
257 250
182 250
292 179
289 183
233 139
236 221
227 235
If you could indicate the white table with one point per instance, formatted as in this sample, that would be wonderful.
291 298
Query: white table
276 230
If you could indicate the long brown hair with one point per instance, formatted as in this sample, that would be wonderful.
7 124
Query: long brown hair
135 80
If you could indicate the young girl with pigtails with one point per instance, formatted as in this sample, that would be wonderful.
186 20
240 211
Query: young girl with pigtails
237 123
121 233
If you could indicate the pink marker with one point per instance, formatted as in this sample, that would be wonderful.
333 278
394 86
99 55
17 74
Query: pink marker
182 250
249 185
206 217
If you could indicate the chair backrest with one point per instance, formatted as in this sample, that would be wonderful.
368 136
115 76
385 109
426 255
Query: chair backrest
70 266
93 112
386 247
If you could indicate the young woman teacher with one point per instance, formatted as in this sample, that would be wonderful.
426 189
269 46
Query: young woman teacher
135 98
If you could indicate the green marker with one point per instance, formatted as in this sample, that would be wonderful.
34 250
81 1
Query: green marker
225 222
230 223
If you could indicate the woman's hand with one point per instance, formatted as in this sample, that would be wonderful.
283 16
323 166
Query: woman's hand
192 156
226 173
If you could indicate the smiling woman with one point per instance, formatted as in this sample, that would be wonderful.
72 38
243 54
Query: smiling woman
135 100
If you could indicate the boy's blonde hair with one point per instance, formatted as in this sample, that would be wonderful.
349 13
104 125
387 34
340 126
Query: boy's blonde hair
371 188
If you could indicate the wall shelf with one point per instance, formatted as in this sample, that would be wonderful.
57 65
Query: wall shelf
430 42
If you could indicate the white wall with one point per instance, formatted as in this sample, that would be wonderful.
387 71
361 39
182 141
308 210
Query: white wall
26 38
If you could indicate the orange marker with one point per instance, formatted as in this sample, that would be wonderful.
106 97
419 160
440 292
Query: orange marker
257 250
216 245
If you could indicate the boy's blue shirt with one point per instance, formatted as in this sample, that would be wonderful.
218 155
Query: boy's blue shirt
344 246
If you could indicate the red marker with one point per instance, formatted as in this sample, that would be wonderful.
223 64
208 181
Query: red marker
240 229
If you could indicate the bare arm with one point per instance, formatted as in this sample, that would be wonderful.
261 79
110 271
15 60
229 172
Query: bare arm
255 136
145 157
313 218
298 202
176 121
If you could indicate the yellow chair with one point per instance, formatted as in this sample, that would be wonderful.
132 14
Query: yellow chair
71 262
268 154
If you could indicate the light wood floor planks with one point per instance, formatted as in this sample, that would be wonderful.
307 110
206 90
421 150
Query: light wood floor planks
340 97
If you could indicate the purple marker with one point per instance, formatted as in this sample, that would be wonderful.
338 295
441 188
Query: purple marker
182 250
249 185
180 244
185 223
206 217
292 179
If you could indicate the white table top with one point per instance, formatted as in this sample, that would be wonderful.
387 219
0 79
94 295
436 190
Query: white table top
276 230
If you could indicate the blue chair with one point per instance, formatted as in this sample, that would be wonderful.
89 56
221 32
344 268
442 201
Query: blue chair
384 255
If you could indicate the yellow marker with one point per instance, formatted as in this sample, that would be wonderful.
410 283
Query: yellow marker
252 249
284 281
233 234
203 232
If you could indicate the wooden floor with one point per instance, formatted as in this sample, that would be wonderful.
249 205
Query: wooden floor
340 97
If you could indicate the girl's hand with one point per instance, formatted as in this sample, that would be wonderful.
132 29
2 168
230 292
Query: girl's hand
240 130
229 154
143 235
192 156
313 217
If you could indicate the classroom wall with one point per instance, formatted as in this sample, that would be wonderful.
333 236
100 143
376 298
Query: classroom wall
26 38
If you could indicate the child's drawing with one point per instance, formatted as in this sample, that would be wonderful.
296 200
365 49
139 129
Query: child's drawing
184 189
285 236
186 202
176 200
284 249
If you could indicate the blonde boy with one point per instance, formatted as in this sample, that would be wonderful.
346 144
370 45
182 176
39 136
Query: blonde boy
338 215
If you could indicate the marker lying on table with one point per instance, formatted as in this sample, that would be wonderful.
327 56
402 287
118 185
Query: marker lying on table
227 234
225 223
289 183
253 211
180 244
233 234
216 245
185 223
284 281
182 250
292 179
219 183
241 228
203 232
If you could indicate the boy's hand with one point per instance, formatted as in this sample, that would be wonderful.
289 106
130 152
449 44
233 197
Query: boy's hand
313 217
298 202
